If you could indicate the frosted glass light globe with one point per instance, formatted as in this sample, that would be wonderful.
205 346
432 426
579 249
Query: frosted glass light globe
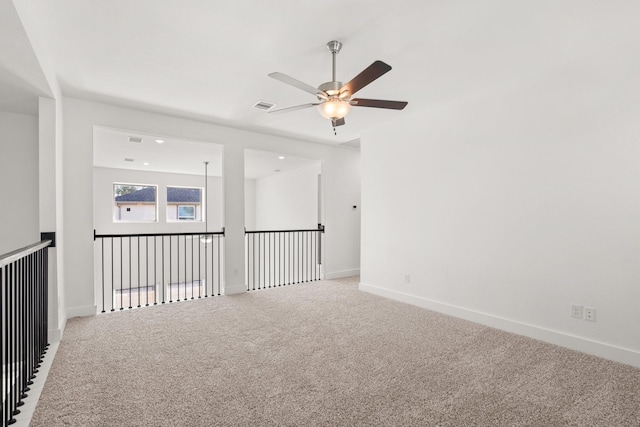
334 108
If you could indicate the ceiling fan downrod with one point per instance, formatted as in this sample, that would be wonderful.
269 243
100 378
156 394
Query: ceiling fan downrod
334 47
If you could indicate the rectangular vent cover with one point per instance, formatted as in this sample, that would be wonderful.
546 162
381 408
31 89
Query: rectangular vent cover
135 139
263 105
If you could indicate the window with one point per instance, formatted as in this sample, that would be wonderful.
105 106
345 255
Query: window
184 204
187 212
134 202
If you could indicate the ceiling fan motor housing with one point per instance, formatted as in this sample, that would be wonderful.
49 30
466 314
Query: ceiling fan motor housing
331 88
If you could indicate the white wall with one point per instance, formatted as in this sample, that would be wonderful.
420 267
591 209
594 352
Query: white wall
507 207
19 204
51 198
342 254
250 204
341 191
103 179
288 200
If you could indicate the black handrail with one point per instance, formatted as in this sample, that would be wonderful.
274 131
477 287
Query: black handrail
212 233
23 322
320 229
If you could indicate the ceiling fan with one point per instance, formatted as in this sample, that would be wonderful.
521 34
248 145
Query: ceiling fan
334 97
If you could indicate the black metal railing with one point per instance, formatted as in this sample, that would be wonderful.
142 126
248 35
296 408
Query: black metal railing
282 257
23 322
136 270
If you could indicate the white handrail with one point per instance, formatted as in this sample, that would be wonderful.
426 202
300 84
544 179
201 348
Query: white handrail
10 257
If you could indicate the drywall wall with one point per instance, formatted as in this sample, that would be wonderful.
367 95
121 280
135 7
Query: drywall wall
104 178
51 206
250 204
341 192
19 213
342 254
507 207
288 200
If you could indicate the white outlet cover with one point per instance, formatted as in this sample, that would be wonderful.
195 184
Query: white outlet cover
590 314
576 311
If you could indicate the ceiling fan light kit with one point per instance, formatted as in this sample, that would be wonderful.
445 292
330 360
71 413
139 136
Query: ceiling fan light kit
334 97
334 109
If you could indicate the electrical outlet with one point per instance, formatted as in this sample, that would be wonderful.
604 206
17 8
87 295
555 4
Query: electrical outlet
576 311
590 314
407 278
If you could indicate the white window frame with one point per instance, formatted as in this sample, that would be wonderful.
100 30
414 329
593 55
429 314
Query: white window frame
177 219
132 205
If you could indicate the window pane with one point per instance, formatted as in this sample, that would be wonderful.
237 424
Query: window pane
186 212
134 203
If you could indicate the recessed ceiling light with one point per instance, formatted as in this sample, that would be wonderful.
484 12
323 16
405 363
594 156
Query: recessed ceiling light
281 157
277 170
159 141
146 163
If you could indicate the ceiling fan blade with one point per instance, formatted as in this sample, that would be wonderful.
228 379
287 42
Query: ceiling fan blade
338 122
297 83
294 108
369 74
378 103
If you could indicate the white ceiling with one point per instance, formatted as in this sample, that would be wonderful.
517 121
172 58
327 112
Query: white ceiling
112 146
209 59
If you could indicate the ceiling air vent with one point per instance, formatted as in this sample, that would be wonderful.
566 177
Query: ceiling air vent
135 139
128 160
263 105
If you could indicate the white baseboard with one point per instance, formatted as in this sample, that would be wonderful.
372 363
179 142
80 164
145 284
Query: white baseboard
596 348
340 274
237 288
89 310
55 335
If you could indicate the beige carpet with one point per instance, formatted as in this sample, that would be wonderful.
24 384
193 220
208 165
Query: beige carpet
322 353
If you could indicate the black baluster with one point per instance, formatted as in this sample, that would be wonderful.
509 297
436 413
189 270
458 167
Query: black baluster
206 262
113 291
164 285
121 278
219 270
102 255
279 259
130 280
246 237
199 277
139 287
269 259
155 272
171 269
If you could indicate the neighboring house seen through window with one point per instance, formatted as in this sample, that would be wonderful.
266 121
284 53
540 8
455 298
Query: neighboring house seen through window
134 203
184 204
